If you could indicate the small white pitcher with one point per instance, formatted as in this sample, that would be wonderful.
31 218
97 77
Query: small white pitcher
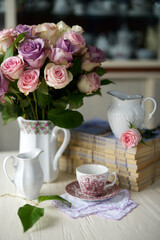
28 175
127 108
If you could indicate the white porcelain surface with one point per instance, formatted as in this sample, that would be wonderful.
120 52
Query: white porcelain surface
127 108
47 141
28 175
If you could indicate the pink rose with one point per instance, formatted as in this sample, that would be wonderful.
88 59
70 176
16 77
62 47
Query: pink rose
7 37
12 67
59 56
130 138
75 38
88 83
28 81
94 81
57 76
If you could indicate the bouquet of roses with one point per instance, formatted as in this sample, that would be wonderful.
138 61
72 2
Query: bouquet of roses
46 71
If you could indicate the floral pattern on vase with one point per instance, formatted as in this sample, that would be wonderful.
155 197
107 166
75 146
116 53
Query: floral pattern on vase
36 127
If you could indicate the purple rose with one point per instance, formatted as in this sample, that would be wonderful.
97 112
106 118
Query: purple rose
59 56
96 54
3 84
66 45
33 52
24 28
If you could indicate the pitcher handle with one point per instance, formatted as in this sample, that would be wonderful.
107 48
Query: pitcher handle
154 109
63 146
5 169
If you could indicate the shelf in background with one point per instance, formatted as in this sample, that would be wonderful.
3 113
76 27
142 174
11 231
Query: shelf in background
132 65
131 69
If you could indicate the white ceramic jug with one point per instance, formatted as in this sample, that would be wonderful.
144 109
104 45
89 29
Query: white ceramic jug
43 135
28 175
127 108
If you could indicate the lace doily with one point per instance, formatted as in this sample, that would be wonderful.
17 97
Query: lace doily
114 208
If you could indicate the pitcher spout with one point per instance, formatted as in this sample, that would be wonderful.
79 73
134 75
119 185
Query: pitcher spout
19 119
124 96
30 155
38 152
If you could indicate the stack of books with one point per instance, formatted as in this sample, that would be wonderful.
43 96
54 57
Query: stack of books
93 142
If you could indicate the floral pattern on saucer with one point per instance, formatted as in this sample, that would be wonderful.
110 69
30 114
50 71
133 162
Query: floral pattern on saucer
74 190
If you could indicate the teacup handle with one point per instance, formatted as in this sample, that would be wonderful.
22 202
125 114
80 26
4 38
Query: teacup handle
62 147
115 178
151 114
4 167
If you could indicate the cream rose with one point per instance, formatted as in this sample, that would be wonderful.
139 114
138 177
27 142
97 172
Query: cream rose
88 83
63 27
48 32
57 76
12 67
7 37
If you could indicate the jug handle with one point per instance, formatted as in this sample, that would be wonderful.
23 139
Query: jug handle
151 114
4 167
62 147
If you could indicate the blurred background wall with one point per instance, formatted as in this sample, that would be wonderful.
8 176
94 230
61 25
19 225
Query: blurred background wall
127 30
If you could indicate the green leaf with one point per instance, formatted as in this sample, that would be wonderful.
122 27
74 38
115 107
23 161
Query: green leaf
75 100
14 85
29 215
24 103
61 102
1 107
1 58
148 133
12 89
65 118
19 38
76 67
142 141
131 125
98 92
9 114
43 99
10 50
101 71
43 87
53 197
106 82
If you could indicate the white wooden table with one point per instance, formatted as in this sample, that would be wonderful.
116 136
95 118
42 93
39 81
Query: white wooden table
143 223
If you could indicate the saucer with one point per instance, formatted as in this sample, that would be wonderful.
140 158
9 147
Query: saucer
74 190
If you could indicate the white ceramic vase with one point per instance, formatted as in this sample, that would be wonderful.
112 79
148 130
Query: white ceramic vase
43 135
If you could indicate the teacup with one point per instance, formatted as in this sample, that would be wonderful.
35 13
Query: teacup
92 179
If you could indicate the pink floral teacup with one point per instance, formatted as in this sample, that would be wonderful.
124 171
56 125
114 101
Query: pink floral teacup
92 178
